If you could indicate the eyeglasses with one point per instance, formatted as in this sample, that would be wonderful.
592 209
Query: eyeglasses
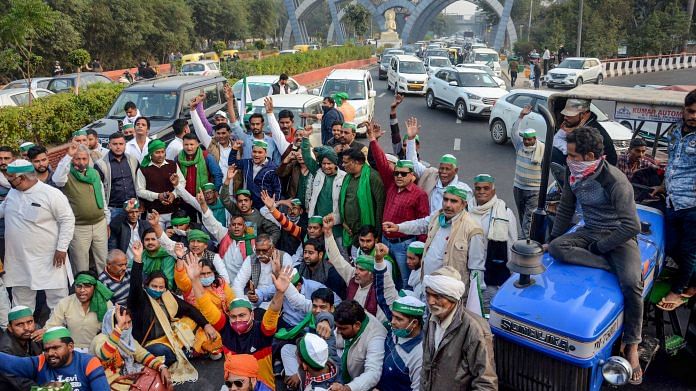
236 383
401 173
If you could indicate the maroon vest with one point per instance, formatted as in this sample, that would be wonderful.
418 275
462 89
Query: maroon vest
370 300
157 181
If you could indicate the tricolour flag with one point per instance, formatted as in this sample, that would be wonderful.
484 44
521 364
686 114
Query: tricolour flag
473 302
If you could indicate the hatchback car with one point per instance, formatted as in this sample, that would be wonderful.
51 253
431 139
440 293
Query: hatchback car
467 91
201 68
36 82
20 96
435 63
407 75
64 83
574 71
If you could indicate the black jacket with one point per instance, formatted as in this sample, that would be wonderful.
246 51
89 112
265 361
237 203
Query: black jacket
330 116
559 157
276 88
121 233
10 345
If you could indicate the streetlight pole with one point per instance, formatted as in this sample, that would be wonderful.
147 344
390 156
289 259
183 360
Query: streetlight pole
529 25
577 50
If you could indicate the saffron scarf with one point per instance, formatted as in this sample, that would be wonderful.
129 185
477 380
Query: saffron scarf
90 176
365 203
198 162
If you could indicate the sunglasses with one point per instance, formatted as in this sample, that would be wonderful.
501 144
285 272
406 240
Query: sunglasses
236 383
401 173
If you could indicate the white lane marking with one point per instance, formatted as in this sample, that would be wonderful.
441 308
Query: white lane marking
458 121
382 94
457 144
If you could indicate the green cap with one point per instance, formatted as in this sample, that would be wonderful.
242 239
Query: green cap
180 221
128 126
296 201
323 151
316 220
366 262
448 159
456 191
55 333
208 186
484 178
240 303
405 164
260 144
26 146
243 192
132 203
350 125
155 145
409 305
416 247
20 166
18 312
528 133
79 133
198 236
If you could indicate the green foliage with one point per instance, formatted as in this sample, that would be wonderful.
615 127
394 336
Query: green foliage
358 18
260 45
219 47
79 58
51 119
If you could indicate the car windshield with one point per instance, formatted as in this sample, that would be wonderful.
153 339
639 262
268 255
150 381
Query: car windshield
17 84
154 105
386 58
440 62
411 67
193 68
257 90
571 64
354 88
476 80
486 57
438 53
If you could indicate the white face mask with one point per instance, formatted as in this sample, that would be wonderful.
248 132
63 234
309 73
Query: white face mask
179 232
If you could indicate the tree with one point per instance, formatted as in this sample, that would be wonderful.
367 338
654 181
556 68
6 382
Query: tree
358 18
78 58
263 13
219 47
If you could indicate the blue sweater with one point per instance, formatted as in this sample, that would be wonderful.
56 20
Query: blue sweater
84 373
266 179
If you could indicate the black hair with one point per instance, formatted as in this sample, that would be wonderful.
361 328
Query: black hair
149 231
367 229
256 115
286 114
116 135
586 140
66 340
283 76
222 125
337 123
349 312
35 151
206 262
236 216
129 105
324 294
179 213
92 132
147 121
179 125
355 154
157 274
5 148
190 136
330 100
690 98
317 244
637 142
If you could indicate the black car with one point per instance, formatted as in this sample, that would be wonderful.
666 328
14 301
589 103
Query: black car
64 83
162 100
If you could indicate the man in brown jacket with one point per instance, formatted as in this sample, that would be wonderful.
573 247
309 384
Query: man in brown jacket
458 345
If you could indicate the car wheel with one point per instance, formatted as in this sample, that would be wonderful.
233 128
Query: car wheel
430 99
578 82
600 79
499 131
550 86
460 109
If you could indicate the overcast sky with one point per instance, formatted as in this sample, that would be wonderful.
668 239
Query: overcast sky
461 8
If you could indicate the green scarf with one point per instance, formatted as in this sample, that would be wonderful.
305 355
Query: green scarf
100 297
287 335
155 261
201 168
248 245
90 176
347 378
365 203
218 210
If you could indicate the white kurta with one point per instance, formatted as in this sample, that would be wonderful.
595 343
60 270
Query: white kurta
133 149
38 222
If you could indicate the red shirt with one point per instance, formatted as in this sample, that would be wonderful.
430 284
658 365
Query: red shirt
410 203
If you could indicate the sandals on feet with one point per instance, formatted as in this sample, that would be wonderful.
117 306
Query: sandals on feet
638 381
671 305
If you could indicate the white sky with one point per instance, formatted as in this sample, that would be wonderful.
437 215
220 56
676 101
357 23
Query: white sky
461 8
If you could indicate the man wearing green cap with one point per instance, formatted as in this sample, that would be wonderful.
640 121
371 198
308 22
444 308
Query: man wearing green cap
18 341
259 172
154 181
455 238
83 311
40 266
85 191
24 148
256 125
433 180
79 137
198 167
530 153
118 172
60 363
407 202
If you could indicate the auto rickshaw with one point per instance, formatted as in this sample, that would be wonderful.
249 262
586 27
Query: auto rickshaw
192 57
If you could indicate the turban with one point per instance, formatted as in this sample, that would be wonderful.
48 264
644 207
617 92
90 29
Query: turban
448 159
409 305
244 365
152 146
326 152
484 178
446 281
314 351
198 236
100 297
20 166
416 247
26 146
339 98
18 312
366 262
56 333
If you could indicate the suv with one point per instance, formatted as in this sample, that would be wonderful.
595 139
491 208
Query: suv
162 100
357 83
489 57
407 74
468 91
64 83
574 71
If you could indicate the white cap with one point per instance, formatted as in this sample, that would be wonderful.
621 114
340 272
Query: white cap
391 158
314 351
220 113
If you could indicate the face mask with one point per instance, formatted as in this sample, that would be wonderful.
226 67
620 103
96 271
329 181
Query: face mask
530 149
208 281
179 232
241 327
153 293
403 333
578 168
129 137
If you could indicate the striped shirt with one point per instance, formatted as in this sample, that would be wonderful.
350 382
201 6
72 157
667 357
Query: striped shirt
527 173
119 288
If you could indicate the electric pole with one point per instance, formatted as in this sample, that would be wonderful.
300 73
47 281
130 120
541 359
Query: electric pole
577 50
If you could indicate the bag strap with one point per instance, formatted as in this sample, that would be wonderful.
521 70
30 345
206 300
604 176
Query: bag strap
147 333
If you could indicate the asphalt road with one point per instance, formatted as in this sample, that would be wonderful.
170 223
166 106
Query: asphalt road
470 142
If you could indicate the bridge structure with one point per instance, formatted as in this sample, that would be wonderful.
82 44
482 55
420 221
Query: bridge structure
420 14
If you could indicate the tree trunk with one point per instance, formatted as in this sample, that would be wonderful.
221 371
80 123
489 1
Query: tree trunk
690 12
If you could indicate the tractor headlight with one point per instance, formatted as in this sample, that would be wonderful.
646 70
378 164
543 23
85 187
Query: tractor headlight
617 370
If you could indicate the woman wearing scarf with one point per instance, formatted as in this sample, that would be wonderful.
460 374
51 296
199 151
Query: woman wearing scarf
163 323
120 354
83 311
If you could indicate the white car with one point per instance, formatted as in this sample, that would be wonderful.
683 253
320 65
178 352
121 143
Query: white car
467 91
357 83
486 69
201 68
485 56
288 51
20 96
435 63
508 109
296 103
407 75
36 82
574 71
260 86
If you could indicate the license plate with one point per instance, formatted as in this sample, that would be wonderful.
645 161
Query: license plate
415 87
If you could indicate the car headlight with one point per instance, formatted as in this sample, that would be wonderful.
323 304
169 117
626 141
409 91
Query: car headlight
617 370
473 97
402 80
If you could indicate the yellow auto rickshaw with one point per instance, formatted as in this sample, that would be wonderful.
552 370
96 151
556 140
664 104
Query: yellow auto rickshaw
211 56
301 48
192 57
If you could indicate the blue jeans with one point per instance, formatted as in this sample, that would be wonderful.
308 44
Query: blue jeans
680 236
116 212
159 349
398 253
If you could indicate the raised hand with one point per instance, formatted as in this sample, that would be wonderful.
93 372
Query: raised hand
398 98
328 222
137 249
231 171
229 94
381 251
193 268
119 317
237 145
282 281
268 104
179 250
389 227
412 127
525 110
72 149
268 200
153 218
